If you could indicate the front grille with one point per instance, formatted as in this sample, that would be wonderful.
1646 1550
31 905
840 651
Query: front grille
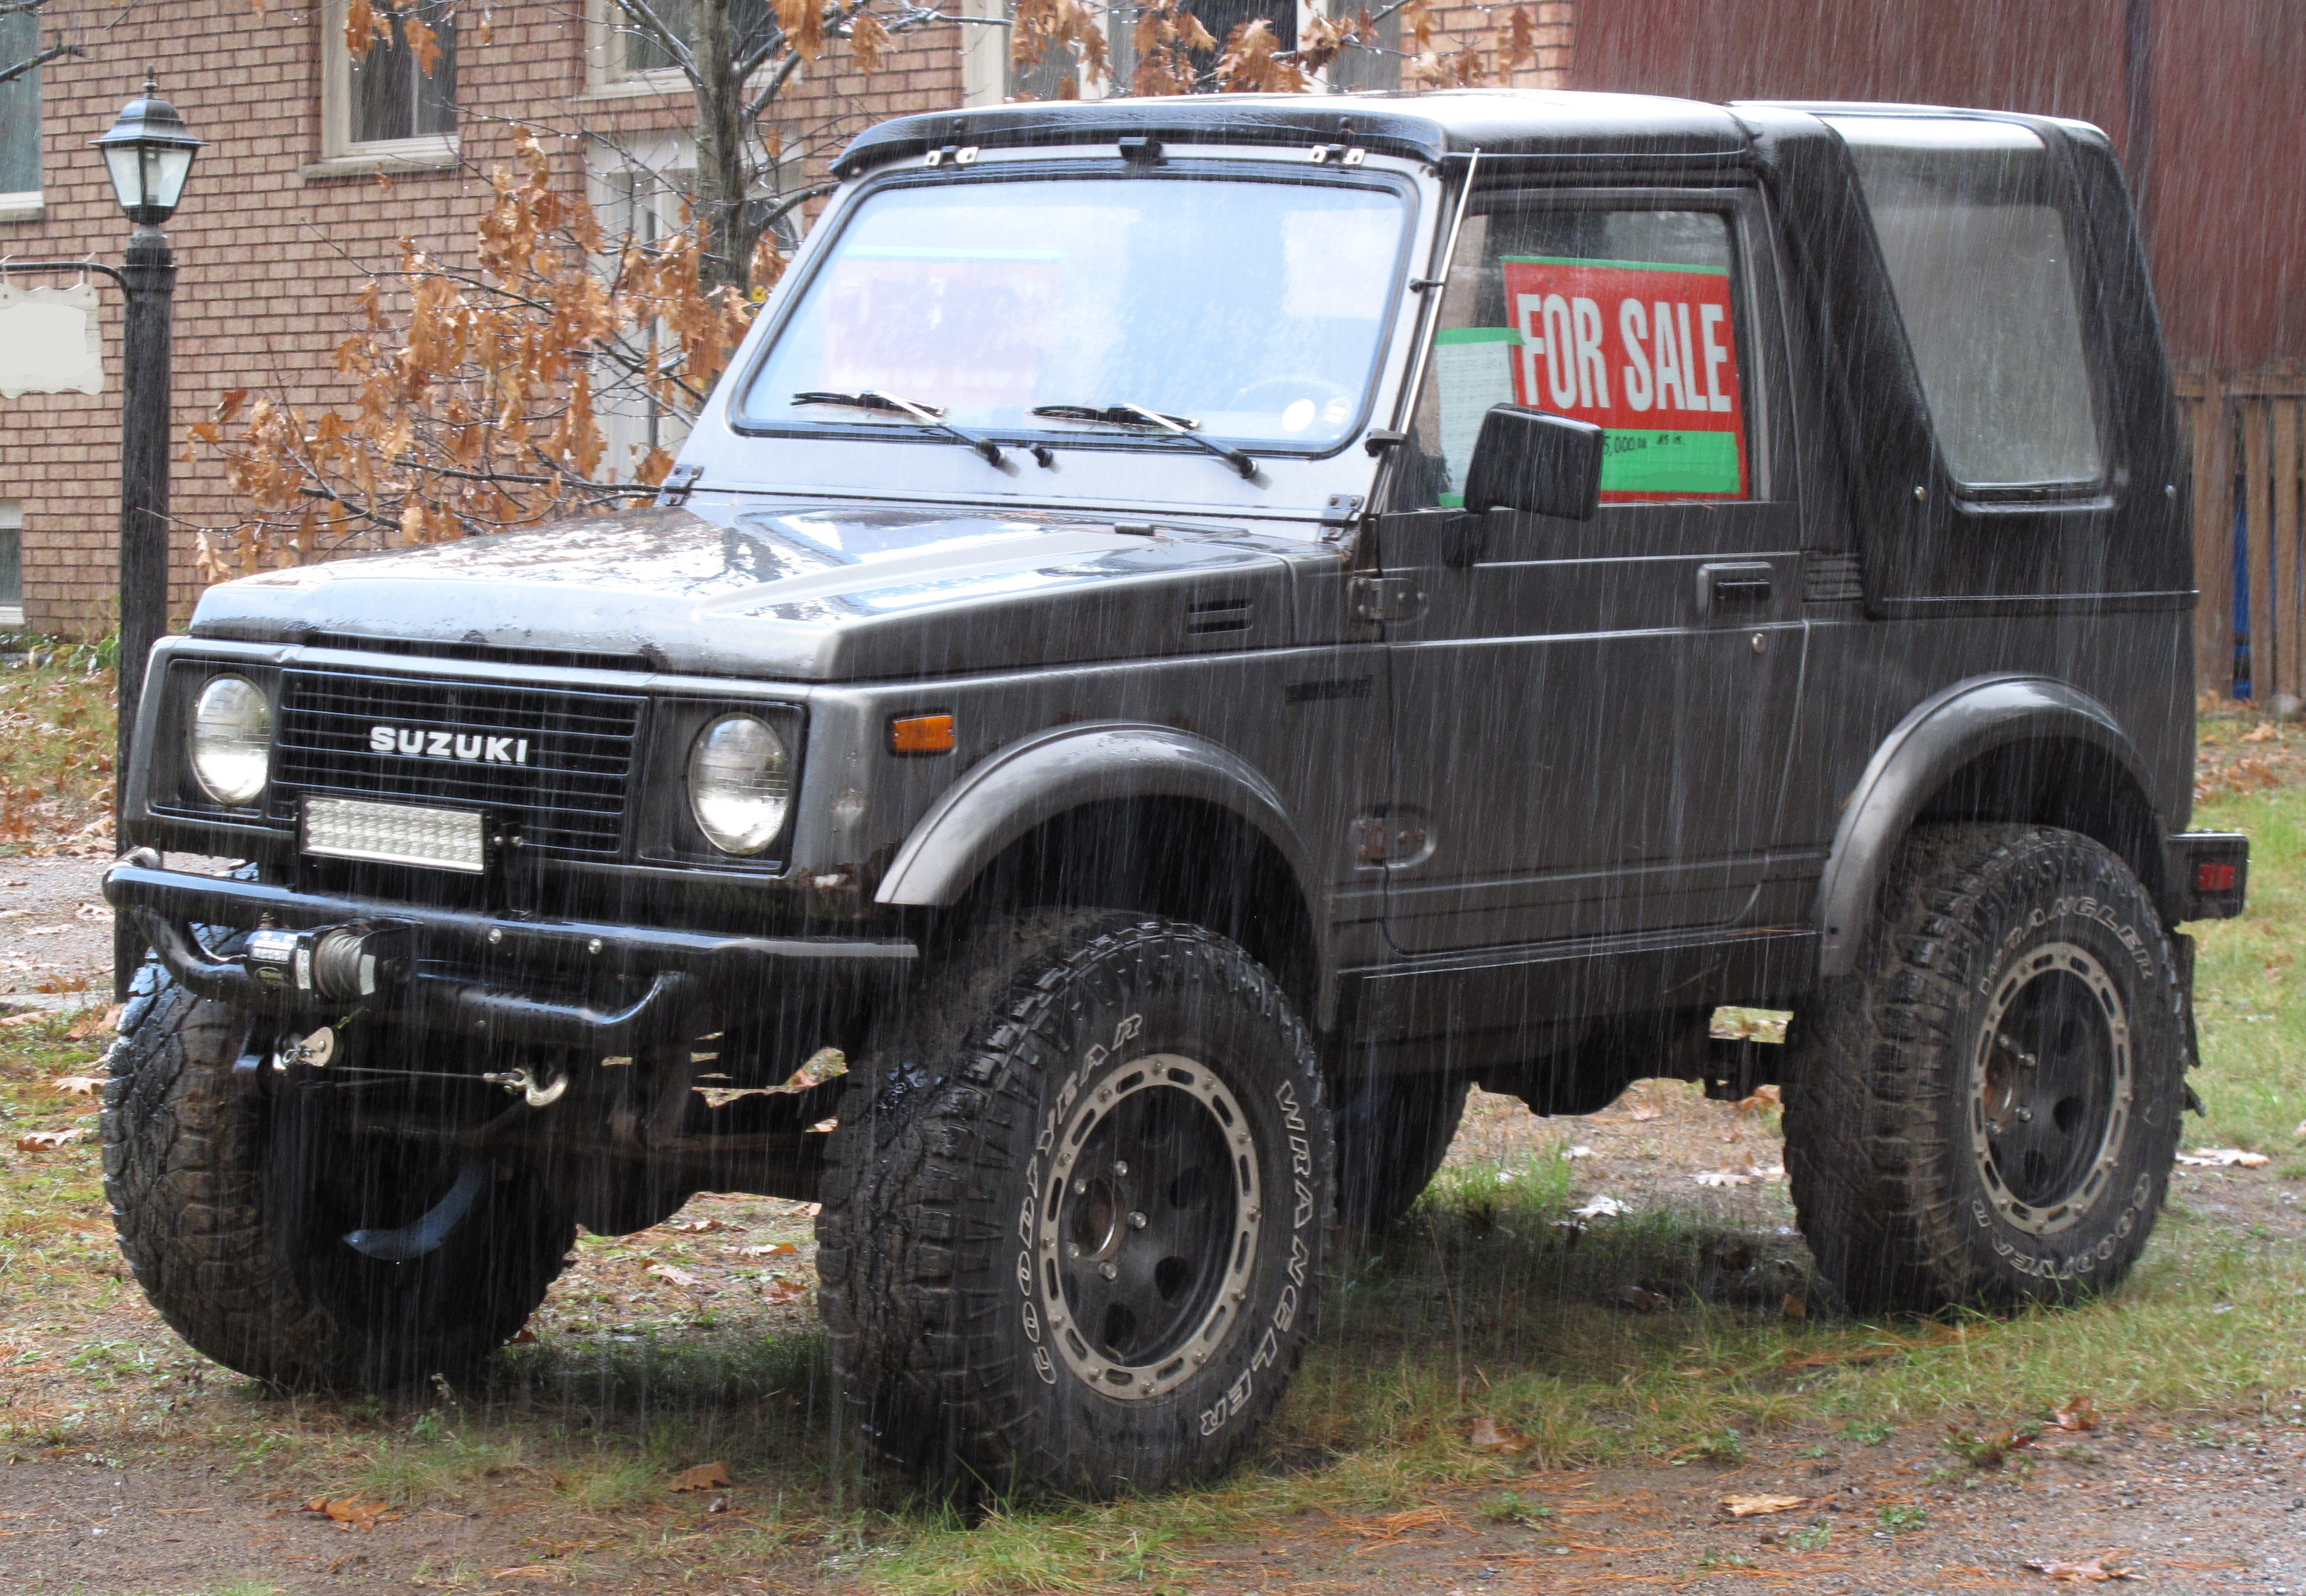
554 762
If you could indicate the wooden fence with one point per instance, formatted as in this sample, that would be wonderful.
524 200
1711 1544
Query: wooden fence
2244 430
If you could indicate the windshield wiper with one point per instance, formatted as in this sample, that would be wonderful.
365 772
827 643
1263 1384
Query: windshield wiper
931 416
1136 415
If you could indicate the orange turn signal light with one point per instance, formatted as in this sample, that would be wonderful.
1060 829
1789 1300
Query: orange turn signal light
921 734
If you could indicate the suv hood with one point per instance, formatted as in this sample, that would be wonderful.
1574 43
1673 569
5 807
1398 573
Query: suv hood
821 594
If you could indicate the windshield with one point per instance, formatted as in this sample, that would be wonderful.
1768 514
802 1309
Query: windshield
1255 310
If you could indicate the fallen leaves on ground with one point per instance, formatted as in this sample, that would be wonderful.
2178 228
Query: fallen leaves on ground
353 1513
769 1250
1753 1506
1600 1207
679 1276
1751 1174
1640 1299
2089 1571
28 1017
781 1290
699 1227
78 1085
826 1063
705 1476
1485 1434
2222 1158
2079 1414
34 1141
95 1022
1646 1113
1988 1450
1749 1025
1764 1096
2264 734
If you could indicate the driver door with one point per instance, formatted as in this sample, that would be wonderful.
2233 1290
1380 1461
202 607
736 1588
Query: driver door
1591 720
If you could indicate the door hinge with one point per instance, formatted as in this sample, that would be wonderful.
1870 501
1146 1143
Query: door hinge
678 484
1387 598
1339 514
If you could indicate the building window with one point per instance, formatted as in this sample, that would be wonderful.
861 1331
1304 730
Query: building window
631 54
11 562
641 184
19 119
397 102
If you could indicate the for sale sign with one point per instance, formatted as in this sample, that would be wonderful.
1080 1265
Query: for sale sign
1646 350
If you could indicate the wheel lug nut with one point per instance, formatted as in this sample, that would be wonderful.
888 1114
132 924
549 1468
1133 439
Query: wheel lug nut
1072 1250
1081 1188
1107 1271
1120 1167
2024 1115
1137 1222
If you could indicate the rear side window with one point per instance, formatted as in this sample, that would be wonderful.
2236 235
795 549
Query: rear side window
1983 262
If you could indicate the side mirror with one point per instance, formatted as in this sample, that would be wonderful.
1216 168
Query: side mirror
1535 461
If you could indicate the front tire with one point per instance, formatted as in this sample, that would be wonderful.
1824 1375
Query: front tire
1988 1110
232 1196
1075 1209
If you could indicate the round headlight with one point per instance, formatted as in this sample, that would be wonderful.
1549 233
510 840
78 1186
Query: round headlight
232 741
738 783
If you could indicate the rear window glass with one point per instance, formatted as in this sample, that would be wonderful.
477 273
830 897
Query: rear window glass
1982 261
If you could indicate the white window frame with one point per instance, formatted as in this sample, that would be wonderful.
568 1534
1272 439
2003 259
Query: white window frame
342 156
606 75
31 205
626 419
12 519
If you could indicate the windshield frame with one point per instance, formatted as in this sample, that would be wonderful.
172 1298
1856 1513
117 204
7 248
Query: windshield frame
792 295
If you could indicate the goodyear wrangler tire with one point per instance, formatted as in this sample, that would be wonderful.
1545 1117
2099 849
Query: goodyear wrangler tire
1987 1111
231 1197
1075 1210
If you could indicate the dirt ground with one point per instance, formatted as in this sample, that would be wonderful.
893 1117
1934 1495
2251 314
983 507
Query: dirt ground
2219 1507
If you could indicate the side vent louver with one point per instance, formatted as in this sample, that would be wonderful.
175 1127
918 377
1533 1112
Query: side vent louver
1213 617
1831 578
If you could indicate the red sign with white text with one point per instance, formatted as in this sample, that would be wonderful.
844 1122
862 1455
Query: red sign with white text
1647 352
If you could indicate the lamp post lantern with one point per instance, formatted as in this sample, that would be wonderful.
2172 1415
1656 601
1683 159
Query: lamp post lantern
147 153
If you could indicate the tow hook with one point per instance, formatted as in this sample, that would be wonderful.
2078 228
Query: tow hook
539 1093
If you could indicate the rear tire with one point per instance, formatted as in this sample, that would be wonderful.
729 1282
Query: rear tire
1987 1111
1393 1133
1075 1209
232 1196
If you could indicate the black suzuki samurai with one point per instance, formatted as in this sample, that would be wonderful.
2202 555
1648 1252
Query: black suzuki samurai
1193 631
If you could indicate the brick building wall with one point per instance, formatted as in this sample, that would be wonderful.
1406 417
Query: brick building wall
275 241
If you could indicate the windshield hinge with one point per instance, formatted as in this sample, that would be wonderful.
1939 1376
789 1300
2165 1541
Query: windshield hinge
1340 513
1387 598
674 490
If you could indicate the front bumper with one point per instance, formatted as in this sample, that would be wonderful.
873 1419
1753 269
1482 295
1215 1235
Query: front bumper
497 965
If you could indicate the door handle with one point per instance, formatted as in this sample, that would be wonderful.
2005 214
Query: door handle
1733 586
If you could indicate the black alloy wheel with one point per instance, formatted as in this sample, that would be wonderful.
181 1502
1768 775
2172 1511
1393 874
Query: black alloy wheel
2050 1088
1149 1227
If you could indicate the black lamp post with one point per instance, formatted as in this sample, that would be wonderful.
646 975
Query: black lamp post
148 153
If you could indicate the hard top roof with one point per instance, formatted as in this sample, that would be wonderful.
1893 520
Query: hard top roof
1428 126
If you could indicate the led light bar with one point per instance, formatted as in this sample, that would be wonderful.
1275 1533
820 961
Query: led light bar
395 835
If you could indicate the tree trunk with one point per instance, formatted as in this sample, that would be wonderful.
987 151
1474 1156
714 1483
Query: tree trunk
721 134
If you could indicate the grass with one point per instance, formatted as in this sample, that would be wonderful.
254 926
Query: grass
1490 1303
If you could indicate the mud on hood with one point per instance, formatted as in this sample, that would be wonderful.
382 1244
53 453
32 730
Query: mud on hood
819 594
